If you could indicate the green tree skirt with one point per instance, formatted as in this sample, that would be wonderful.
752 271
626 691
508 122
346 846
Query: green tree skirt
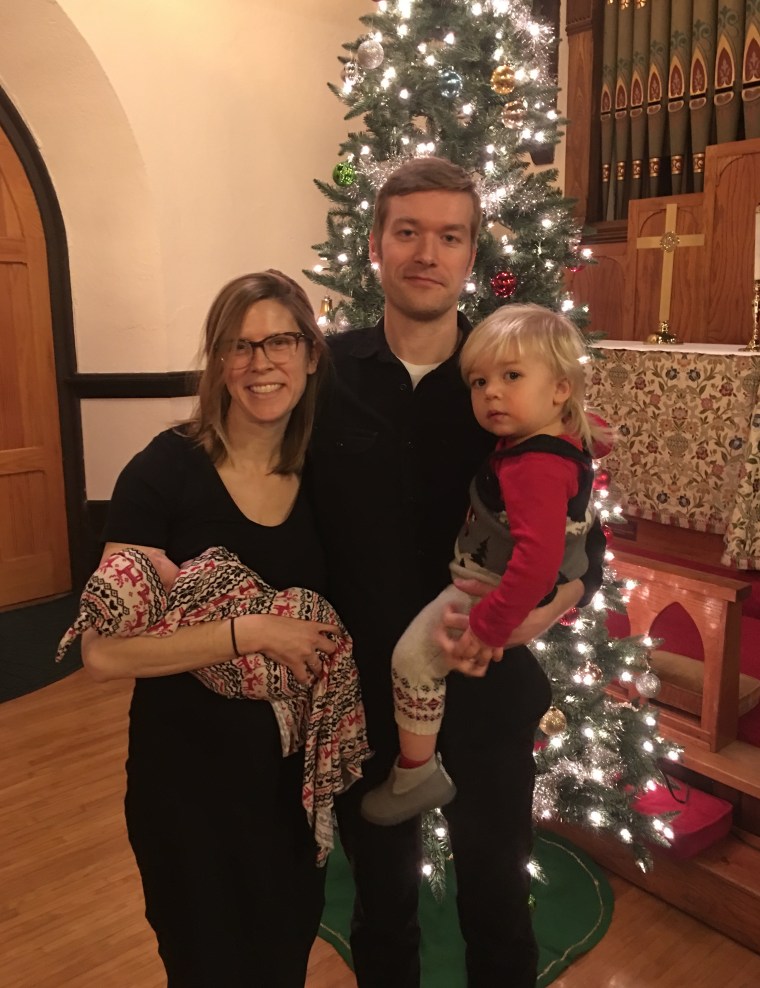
573 911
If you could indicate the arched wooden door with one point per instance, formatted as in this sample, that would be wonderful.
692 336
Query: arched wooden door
34 550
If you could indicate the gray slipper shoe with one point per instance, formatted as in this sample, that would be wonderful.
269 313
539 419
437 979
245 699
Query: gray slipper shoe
401 797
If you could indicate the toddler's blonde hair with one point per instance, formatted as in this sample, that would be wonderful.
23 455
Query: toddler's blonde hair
551 337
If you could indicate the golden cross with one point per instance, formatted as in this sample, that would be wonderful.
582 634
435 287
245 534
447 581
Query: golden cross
668 243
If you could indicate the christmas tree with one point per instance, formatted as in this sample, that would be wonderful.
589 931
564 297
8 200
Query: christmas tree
468 80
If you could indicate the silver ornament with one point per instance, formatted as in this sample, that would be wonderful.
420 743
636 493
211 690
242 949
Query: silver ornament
370 54
341 322
352 73
450 84
648 684
513 116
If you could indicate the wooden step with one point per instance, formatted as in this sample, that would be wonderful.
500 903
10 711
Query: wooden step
737 765
720 887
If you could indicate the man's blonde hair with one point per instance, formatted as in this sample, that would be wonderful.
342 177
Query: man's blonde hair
517 330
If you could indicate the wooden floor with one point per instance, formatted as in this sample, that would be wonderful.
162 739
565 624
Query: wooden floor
70 904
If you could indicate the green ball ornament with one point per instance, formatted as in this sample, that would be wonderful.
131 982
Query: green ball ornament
344 173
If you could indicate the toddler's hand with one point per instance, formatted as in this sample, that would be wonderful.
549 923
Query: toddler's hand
468 654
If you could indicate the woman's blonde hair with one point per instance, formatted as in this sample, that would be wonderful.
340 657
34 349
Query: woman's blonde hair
549 336
223 322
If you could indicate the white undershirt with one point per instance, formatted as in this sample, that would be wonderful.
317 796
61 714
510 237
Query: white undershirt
418 371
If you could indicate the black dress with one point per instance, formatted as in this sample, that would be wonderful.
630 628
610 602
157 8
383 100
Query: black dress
213 810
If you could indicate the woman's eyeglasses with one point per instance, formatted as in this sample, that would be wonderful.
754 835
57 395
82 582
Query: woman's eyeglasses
278 349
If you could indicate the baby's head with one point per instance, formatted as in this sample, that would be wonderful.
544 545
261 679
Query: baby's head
514 332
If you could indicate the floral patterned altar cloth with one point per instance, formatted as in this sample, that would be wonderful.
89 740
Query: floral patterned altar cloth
688 451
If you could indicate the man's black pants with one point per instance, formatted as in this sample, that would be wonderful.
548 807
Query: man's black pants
487 748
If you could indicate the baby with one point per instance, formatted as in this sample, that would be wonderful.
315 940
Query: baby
134 593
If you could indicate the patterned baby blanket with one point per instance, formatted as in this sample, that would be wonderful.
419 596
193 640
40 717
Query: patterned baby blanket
125 597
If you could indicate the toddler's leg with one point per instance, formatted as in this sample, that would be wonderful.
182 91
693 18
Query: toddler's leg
416 749
418 780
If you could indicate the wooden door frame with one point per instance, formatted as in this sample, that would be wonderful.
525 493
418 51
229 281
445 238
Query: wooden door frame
81 539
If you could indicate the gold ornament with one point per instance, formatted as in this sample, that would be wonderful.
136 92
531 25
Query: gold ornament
553 722
326 317
503 80
653 338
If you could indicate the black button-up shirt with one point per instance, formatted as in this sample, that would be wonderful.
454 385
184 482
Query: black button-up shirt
389 473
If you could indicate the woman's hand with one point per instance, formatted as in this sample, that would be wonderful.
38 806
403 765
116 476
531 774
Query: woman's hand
299 645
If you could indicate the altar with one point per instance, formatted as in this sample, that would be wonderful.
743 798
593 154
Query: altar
688 417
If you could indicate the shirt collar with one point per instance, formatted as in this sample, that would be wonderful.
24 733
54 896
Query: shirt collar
372 342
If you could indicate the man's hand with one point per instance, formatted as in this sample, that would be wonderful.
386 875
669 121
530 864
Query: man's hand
541 619
534 625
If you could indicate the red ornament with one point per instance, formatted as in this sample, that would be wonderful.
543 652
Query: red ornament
503 284
574 268
607 530
570 617
601 480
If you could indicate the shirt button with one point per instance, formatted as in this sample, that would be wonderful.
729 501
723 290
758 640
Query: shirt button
403 387
409 444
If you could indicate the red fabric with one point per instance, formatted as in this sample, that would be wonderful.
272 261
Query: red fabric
536 489
702 819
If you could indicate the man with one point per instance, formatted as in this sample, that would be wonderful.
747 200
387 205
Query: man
394 449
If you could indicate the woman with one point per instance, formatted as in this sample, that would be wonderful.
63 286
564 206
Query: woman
213 810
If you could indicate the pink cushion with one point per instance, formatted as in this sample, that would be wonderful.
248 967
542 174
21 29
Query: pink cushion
702 819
